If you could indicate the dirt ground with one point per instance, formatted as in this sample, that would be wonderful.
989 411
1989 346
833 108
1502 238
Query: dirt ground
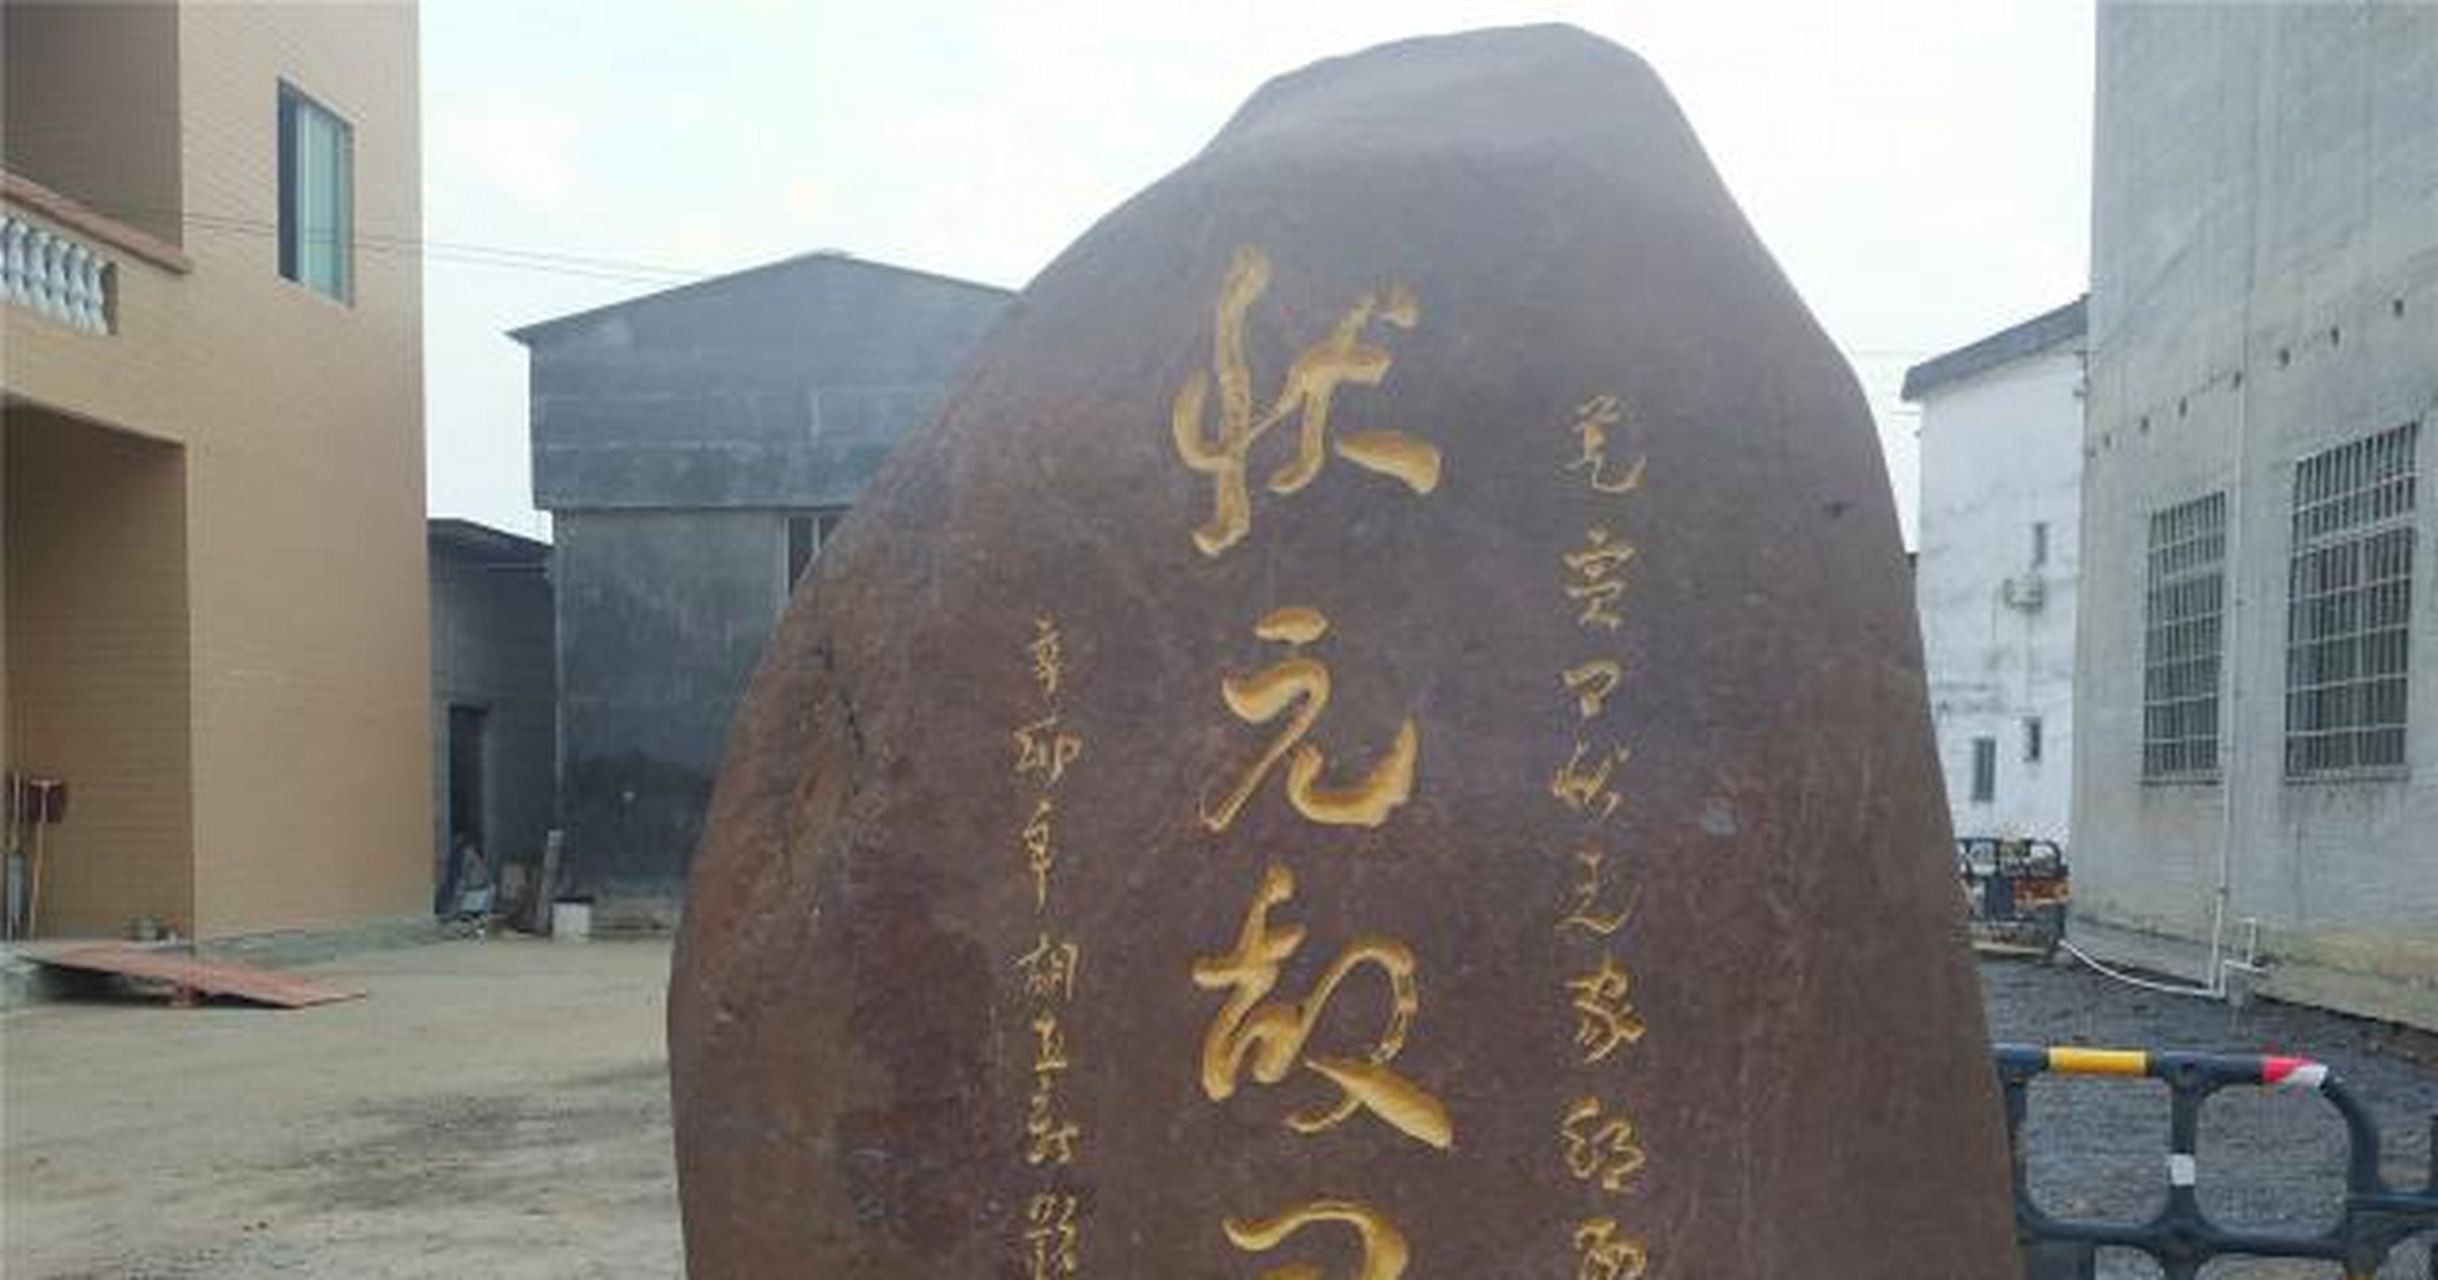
499 1109
494 1109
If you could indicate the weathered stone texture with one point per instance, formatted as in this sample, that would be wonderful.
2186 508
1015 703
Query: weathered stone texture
1502 229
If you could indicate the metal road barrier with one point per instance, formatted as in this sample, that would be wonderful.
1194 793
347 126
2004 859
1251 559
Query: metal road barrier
2181 1238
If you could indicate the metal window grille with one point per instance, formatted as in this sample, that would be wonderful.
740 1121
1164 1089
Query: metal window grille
2183 640
2349 606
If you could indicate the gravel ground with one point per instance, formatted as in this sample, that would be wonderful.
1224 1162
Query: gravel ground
2268 1161
500 1109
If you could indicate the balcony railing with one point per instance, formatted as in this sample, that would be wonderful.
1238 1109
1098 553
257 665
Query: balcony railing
61 259
53 275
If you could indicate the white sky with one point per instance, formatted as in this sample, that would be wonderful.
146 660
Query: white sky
1921 168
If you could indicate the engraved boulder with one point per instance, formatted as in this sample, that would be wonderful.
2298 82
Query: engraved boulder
1381 732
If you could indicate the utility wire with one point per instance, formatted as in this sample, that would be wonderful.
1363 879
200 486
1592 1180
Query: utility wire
620 270
471 254
584 266
464 253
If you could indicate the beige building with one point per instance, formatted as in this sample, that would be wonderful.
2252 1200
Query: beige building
214 620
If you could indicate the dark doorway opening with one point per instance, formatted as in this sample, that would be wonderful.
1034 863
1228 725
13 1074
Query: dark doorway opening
466 852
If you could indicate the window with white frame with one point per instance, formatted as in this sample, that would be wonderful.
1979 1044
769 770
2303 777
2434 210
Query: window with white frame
2349 606
2183 640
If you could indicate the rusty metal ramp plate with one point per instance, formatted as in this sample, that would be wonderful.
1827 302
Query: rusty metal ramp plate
189 978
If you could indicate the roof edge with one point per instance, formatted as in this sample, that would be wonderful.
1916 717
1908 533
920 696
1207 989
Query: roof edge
484 540
526 333
2043 332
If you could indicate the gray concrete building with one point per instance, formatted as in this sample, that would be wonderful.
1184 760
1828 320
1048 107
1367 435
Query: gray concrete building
694 448
494 700
2256 705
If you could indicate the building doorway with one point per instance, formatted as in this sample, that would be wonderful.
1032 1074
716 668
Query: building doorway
466 857
95 665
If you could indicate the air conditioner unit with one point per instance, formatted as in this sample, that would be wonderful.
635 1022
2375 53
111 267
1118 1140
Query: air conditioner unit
2026 592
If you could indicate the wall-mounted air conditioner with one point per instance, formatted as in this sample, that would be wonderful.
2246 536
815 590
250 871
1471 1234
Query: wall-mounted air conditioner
2026 592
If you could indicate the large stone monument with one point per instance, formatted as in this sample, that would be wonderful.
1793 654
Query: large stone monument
1381 733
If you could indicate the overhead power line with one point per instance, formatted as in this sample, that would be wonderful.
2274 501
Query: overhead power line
470 253
459 252
582 266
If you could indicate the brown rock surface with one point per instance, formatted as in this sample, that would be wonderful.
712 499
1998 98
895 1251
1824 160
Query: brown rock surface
1544 468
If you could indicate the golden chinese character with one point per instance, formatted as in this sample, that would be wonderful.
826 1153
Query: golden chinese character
1593 418
1302 682
1048 655
1598 586
1049 969
1605 1149
1048 1140
1585 913
1603 1254
1311 384
1592 682
1049 1233
1049 1044
1040 853
1604 1018
1384 1250
1583 784
1270 1037
1045 751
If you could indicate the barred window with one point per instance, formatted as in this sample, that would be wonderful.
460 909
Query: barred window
2183 640
2349 606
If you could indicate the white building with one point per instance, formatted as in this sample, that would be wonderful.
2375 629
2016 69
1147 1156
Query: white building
2001 476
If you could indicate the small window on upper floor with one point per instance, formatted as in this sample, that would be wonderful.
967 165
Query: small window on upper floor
1984 770
316 197
2032 743
2040 543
